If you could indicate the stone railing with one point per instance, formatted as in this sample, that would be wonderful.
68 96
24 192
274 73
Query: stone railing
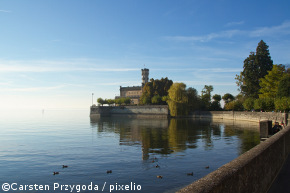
253 171
243 116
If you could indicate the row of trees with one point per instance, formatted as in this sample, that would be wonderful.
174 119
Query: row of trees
119 101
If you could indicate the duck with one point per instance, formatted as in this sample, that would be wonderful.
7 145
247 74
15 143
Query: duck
55 173
160 177
206 167
157 166
190 174
109 171
64 166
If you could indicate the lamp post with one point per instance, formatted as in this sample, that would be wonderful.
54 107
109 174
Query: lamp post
92 99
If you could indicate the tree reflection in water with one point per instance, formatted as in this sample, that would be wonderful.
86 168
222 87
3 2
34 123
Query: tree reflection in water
167 136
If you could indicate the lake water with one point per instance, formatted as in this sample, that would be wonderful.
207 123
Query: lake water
35 144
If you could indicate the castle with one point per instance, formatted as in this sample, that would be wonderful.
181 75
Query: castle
135 92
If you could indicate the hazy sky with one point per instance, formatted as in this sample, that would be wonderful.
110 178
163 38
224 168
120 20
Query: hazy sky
56 53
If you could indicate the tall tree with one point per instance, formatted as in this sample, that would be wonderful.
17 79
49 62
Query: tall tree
256 66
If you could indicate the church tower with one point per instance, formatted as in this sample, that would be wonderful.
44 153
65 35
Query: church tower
145 76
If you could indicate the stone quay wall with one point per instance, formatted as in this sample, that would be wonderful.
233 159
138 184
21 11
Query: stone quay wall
243 116
155 111
254 171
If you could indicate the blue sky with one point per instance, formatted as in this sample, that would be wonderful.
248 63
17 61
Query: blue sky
55 54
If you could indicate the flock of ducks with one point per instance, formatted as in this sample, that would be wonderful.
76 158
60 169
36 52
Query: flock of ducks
153 161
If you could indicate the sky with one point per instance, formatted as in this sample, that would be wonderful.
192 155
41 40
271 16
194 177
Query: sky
67 53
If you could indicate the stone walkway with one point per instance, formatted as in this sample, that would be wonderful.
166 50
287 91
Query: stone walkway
282 182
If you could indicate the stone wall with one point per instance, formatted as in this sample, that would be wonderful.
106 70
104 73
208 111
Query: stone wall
253 171
157 111
243 116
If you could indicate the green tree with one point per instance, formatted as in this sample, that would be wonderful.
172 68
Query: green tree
156 99
215 105
269 84
264 104
256 66
206 95
194 101
284 86
127 100
228 98
110 101
118 101
235 105
282 104
249 104
178 99
123 100
101 101
155 88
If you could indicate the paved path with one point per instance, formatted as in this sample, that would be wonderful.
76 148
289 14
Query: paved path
282 182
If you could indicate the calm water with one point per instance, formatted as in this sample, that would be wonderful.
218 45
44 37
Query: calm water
35 144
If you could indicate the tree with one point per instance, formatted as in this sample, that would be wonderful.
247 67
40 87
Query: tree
235 105
256 66
127 100
178 99
123 100
110 101
193 99
249 104
269 84
215 105
119 101
228 98
155 88
156 99
206 95
101 101
264 104
284 86
282 104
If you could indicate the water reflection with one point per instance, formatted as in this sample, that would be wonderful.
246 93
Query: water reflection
167 136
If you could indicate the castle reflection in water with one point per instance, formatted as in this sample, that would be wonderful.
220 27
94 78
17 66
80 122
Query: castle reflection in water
167 136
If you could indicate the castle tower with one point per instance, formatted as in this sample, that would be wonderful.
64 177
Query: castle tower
145 76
